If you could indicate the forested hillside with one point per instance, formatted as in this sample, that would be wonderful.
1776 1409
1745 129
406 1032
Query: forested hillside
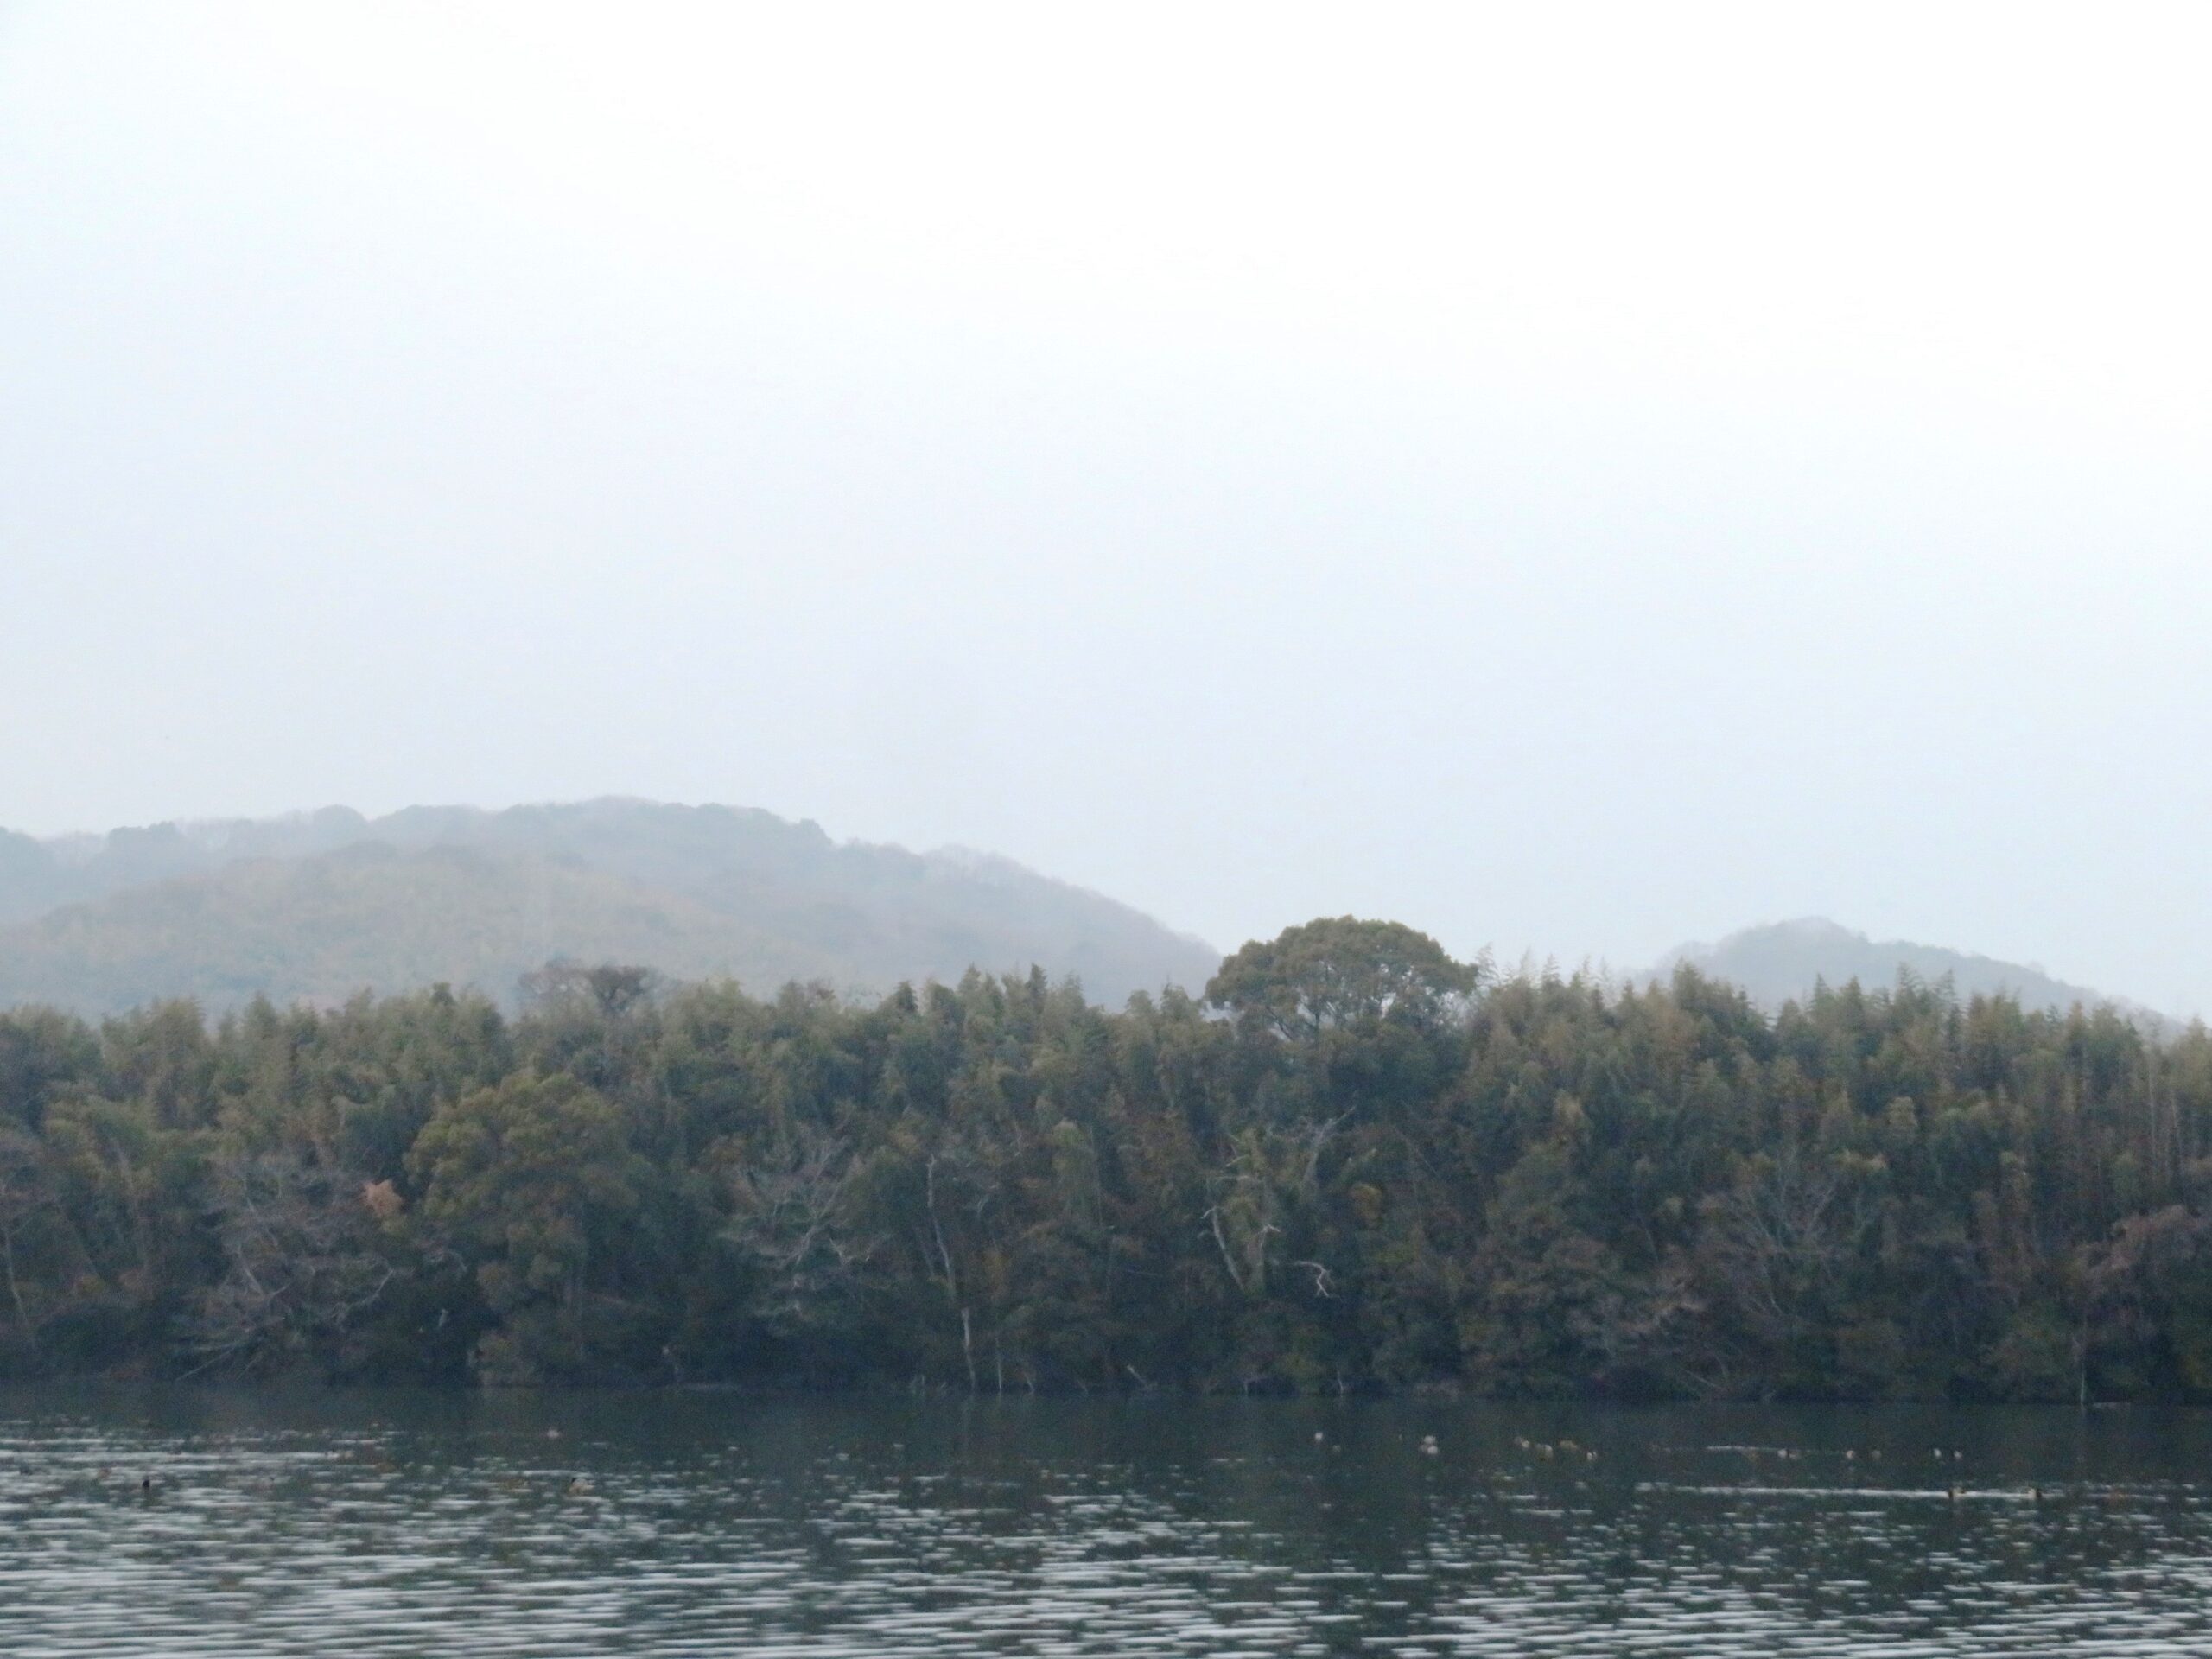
1783 962
1353 1166
317 907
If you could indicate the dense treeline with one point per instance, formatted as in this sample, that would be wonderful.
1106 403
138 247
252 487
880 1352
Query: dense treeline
1353 1166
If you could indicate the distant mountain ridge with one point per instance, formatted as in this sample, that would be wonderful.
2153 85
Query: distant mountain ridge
1782 961
321 905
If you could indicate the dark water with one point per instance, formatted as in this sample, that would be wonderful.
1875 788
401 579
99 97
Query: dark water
391 1523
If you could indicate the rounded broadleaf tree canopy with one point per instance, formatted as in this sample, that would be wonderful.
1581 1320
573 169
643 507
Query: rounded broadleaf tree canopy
1337 971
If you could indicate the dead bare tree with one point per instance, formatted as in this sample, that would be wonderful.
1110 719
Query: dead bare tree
300 1261
25 1198
791 1218
1777 1240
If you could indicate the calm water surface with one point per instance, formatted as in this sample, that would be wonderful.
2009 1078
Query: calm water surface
372 1523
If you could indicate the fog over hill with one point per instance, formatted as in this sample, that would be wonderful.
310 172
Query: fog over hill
318 905
1782 961
322 905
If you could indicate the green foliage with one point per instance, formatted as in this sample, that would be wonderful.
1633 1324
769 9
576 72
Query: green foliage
528 1182
1332 974
1359 1169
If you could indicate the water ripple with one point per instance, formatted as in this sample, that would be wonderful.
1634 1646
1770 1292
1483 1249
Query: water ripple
242 1526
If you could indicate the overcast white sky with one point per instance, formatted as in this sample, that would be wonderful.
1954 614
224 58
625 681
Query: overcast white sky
1578 479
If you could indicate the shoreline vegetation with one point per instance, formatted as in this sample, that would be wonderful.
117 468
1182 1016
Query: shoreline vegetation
1354 1165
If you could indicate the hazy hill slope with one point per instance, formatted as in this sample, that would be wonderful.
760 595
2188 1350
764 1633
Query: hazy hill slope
318 907
319 929
1782 961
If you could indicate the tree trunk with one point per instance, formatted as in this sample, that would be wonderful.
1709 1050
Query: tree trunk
14 1290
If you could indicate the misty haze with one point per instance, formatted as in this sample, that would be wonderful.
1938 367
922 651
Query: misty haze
860 830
